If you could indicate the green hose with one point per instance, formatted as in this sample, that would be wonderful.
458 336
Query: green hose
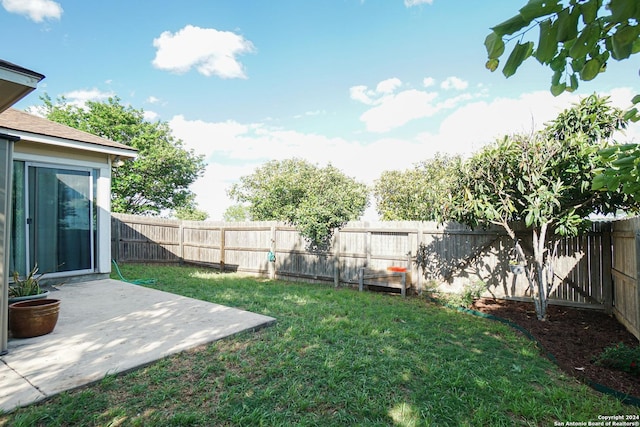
134 282
624 398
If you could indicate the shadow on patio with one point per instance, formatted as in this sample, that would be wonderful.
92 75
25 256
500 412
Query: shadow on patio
107 327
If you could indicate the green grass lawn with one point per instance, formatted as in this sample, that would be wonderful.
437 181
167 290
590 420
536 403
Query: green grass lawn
334 357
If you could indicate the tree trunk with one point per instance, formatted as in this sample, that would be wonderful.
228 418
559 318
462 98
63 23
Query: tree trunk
536 277
541 298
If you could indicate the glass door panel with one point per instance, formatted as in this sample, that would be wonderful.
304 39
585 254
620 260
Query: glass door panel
18 252
60 219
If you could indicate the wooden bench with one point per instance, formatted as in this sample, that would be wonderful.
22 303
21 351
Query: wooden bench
394 277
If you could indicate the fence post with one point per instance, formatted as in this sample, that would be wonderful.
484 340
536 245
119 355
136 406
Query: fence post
222 260
419 238
637 275
181 241
115 226
336 258
367 246
607 265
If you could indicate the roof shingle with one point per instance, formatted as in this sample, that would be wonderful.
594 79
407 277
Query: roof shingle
25 122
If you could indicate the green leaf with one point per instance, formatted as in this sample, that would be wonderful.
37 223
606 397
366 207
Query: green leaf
559 63
494 45
520 52
612 182
590 10
624 161
598 182
567 25
630 114
622 41
626 34
622 10
627 147
558 89
586 41
578 64
635 99
608 152
547 45
537 8
529 219
590 70
510 26
574 83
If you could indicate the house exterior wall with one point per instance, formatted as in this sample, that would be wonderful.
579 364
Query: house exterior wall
6 167
61 156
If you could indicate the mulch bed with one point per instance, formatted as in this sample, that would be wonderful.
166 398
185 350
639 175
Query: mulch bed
574 337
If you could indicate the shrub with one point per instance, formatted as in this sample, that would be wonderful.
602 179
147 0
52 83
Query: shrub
466 296
621 357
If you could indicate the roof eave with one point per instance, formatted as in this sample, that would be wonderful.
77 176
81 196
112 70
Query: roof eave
15 83
129 153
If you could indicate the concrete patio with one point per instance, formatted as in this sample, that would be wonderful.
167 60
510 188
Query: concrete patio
107 327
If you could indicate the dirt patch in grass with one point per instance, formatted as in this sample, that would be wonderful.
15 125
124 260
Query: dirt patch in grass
574 337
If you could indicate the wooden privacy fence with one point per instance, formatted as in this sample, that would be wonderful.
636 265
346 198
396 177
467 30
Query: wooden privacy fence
626 273
453 254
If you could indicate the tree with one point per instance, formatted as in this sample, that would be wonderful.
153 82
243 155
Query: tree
544 180
576 39
418 194
237 213
159 178
190 212
316 200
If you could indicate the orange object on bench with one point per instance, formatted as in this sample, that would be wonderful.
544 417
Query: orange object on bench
397 269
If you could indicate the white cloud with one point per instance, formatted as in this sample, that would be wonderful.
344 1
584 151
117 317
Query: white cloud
396 110
210 51
150 116
470 127
388 86
391 109
36 10
310 114
410 3
208 138
454 83
80 97
367 96
361 94
153 100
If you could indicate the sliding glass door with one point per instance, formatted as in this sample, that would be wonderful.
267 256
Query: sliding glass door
53 218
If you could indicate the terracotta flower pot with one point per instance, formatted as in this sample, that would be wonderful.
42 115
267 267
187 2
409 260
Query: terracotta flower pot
33 318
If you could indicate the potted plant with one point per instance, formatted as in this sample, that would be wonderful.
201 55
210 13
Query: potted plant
31 313
26 288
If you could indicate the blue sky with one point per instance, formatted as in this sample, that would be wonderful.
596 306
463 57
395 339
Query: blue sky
368 85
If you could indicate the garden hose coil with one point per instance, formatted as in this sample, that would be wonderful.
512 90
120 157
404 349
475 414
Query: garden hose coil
134 282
